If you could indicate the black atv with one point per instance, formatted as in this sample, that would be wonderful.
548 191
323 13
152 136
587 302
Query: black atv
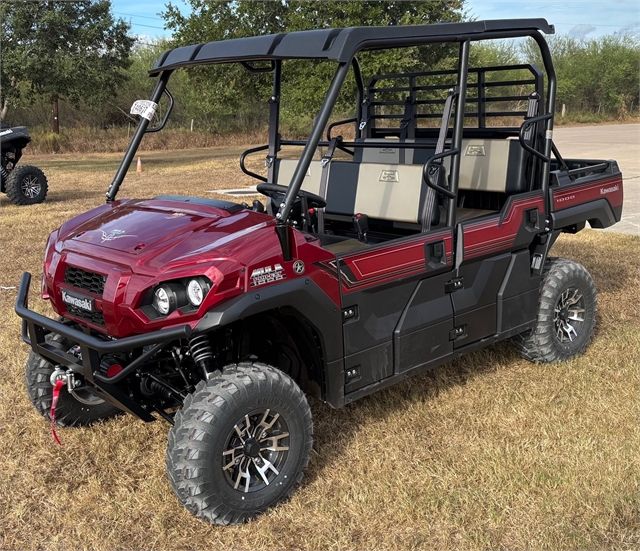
26 184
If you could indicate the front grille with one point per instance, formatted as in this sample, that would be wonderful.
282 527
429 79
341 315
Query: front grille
87 281
96 318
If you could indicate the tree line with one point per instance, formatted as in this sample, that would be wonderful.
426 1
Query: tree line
79 56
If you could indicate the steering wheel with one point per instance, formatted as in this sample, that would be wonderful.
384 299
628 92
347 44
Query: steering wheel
273 190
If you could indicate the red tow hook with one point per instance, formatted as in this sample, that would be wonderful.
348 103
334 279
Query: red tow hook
56 394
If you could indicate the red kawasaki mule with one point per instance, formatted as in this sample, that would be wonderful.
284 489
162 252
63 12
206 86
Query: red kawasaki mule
374 260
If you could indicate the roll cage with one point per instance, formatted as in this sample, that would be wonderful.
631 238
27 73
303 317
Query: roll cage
342 46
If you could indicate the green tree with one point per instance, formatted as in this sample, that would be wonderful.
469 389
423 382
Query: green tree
60 49
598 76
227 91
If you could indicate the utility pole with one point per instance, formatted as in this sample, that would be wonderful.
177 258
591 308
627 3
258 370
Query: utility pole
56 122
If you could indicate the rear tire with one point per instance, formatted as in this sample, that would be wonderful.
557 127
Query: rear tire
566 317
240 444
26 185
70 411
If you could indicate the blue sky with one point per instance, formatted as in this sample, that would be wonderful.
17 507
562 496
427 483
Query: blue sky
579 18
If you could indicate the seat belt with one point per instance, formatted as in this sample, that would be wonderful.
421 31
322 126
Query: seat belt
430 202
274 138
405 127
532 111
324 176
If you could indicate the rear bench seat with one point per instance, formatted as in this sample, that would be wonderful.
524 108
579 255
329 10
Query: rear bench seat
377 184
487 165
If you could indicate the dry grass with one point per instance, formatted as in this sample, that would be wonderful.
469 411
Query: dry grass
488 452
87 140
114 140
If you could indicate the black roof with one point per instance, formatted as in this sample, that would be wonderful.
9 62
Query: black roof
339 44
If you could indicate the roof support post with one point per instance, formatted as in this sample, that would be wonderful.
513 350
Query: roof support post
550 109
274 122
136 139
458 125
312 142
357 73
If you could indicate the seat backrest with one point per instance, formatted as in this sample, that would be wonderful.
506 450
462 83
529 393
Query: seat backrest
387 153
284 172
495 165
384 191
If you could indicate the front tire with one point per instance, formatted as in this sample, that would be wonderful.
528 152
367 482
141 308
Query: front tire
566 317
26 185
78 409
240 444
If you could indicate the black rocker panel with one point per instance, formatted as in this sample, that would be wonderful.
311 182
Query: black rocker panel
370 365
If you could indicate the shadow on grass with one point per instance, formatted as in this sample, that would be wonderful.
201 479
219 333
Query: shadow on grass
335 429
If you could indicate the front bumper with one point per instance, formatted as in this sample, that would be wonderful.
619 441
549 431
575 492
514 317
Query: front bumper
35 327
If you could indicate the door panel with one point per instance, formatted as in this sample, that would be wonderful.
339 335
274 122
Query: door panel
422 334
377 283
475 304
487 247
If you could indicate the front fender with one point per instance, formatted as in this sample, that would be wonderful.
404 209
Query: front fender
311 302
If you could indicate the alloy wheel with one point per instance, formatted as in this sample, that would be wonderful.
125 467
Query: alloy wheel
31 187
255 451
568 315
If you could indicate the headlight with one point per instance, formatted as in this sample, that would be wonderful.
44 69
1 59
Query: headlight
197 289
164 300
185 294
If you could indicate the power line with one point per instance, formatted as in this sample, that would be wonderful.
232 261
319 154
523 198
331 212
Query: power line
149 26
140 16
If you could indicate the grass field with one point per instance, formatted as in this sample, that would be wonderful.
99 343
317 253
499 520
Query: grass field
488 452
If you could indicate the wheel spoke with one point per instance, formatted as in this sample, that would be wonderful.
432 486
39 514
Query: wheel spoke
264 424
243 474
233 461
262 469
239 432
574 298
273 446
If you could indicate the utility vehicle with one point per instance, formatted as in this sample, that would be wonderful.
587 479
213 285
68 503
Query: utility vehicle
26 184
381 257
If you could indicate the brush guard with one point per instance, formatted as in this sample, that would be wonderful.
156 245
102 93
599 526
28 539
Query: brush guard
35 327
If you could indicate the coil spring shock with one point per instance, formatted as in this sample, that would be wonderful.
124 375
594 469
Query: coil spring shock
202 353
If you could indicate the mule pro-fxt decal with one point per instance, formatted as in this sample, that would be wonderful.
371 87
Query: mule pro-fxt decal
267 274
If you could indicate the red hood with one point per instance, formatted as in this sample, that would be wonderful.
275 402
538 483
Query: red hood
158 234
137 244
